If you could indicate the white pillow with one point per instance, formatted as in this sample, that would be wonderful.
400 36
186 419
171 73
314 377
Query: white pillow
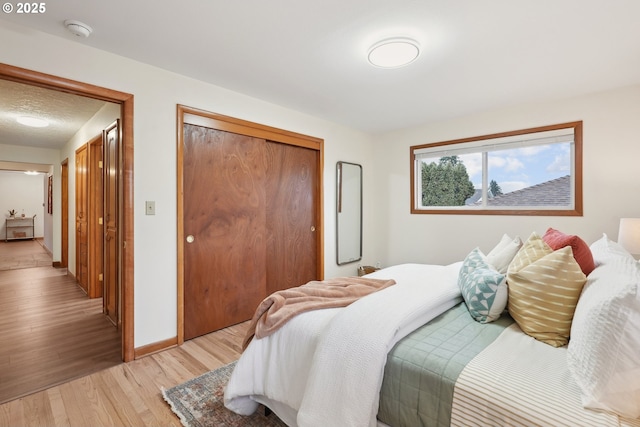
500 257
605 249
605 334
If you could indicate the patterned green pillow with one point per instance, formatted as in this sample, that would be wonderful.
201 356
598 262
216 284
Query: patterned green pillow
484 289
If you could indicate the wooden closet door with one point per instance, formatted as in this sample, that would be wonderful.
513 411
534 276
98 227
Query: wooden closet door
224 228
292 189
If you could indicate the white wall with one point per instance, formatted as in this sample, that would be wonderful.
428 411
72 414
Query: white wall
16 153
156 94
611 179
24 193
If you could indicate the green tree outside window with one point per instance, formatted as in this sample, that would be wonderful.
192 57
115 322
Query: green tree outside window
446 183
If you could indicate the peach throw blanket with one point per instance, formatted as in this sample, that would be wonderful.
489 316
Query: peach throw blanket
276 309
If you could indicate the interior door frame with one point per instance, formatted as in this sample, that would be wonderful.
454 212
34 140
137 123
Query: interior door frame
48 81
81 217
96 234
230 124
64 215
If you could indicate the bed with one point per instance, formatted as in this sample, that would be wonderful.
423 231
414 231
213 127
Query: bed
464 344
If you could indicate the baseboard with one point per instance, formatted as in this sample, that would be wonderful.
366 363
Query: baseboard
155 347
40 241
56 264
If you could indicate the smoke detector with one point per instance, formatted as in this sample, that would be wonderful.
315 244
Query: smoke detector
78 28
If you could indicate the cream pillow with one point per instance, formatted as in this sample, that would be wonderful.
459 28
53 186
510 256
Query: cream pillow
605 335
501 255
544 287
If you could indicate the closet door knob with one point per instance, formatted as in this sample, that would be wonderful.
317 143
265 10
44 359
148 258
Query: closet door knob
313 228
190 238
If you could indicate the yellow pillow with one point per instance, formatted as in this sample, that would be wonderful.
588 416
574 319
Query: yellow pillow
544 287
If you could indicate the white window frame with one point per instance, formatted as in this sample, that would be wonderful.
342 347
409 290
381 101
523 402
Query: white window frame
565 132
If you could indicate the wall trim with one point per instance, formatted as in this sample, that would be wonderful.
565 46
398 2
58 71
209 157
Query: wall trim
155 347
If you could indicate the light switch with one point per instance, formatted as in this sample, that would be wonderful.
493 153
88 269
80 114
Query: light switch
150 208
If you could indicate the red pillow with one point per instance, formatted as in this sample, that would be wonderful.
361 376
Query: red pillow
581 252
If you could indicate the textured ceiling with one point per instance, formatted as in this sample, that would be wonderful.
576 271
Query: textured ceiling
66 114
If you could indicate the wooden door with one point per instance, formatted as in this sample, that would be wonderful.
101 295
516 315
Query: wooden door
64 213
224 228
292 206
111 222
96 233
82 206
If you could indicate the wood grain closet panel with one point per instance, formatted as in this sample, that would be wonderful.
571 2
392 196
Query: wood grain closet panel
291 215
224 211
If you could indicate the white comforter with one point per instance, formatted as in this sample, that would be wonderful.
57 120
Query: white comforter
325 367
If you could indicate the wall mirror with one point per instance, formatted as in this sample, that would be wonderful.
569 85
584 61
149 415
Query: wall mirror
348 212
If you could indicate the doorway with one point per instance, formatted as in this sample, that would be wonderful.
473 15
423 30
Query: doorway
125 170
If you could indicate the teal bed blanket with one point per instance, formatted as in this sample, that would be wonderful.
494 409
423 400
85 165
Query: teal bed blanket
422 368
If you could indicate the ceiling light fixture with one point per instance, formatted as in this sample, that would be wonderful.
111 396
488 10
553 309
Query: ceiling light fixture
32 172
33 122
393 53
78 28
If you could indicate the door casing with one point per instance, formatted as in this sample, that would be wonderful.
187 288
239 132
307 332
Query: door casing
96 237
82 217
112 221
125 100
64 215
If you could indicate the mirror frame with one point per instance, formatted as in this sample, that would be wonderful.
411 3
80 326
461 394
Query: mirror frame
340 198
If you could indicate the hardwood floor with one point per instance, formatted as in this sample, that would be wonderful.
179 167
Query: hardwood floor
128 394
48 325
17 254
50 332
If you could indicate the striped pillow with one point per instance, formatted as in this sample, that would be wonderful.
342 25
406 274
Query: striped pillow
544 287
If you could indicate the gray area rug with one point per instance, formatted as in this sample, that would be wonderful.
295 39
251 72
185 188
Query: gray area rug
200 402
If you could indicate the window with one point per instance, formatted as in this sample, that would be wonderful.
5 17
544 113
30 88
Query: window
526 172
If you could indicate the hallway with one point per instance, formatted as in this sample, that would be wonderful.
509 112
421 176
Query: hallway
50 332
